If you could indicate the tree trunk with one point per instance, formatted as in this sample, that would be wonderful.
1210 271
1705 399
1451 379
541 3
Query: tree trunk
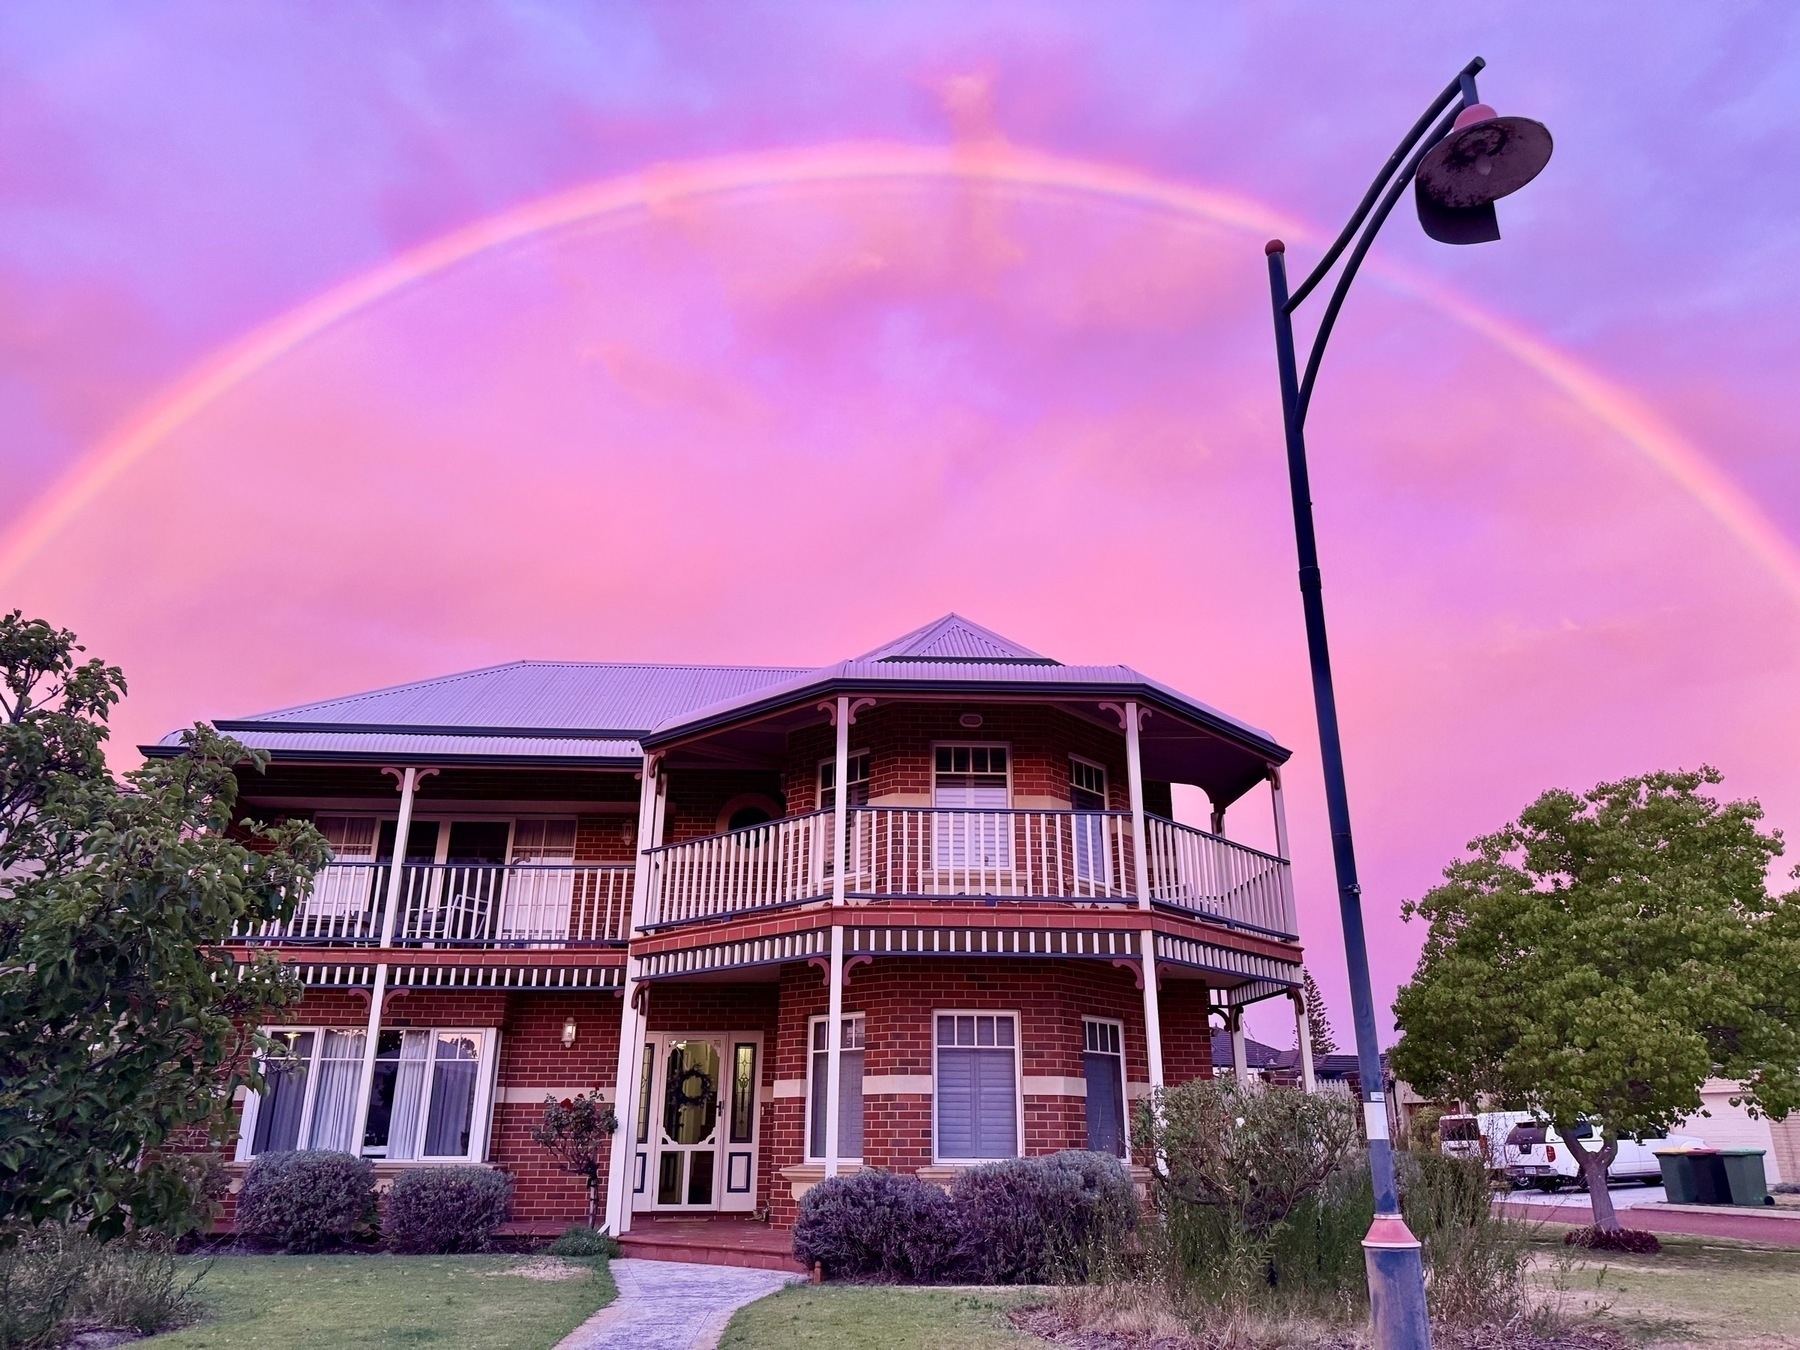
1593 1167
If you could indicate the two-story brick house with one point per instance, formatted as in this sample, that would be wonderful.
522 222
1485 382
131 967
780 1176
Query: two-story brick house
916 910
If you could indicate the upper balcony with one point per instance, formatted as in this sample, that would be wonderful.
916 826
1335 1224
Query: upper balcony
532 906
981 856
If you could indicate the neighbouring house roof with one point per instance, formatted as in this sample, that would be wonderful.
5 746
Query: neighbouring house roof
1256 1054
602 713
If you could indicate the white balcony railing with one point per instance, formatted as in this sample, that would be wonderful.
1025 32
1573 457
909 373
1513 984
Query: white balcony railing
904 852
458 904
1212 876
781 862
922 853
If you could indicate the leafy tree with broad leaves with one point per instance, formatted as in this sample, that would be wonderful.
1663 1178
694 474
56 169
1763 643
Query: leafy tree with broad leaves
1598 959
1318 1021
123 1020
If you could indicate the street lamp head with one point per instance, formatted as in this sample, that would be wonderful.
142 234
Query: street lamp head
1484 158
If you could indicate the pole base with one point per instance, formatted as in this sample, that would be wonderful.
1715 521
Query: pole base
1397 1314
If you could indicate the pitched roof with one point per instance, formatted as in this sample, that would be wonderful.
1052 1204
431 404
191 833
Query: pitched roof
599 713
1256 1054
954 638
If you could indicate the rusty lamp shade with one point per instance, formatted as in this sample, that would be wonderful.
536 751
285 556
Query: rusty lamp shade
1484 158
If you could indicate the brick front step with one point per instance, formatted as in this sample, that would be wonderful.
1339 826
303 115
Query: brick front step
713 1242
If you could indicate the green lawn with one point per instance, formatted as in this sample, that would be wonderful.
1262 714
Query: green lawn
1695 1292
861 1317
335 1302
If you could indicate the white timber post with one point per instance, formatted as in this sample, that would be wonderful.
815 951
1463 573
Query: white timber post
1303 1039
1281 851
840 853
1240 1051
365 1087
1140 854
627 1084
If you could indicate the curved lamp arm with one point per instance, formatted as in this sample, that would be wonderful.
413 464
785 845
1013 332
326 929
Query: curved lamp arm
1419 140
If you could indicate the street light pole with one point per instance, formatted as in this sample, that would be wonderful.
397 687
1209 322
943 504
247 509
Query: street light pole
1461 161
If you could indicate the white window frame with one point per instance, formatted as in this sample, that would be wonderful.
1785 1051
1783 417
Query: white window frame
812 1023
830 762
1018 1049
974 745
1105 784
481 1116
1124 1081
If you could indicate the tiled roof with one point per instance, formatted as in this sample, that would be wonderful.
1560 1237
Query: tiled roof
1256 1054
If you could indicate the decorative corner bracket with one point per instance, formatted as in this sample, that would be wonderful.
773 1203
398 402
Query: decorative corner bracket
859 705
1118 711
419 776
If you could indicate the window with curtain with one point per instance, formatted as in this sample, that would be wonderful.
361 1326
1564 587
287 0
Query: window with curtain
334 1098
398 1091
451 1113
968 780
540 887
976 1102
426 1089
1103 1066
850 1089
283 1098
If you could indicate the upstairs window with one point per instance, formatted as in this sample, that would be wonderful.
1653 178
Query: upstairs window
543 840
858 778
967 780
1087 785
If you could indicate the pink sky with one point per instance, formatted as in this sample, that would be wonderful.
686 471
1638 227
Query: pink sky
785 421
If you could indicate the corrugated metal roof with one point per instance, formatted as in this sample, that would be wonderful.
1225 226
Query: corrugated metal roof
536 696
970 675
426 747
600 710
953 638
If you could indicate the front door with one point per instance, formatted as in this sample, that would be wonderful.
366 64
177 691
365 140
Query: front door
698 1122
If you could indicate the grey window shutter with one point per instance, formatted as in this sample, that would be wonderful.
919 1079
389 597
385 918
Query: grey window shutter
850 1104
996 1104
956 1104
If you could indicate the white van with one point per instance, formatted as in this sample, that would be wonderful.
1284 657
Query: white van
1482 1136
1536 1155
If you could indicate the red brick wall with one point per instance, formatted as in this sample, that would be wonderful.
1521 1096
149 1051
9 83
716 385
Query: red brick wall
606 839
898 997
696 796
899 737
1186 1033
532 1055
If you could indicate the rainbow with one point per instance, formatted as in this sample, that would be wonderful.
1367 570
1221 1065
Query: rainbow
981 163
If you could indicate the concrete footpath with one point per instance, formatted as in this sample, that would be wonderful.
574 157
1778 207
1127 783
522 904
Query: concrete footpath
672 1305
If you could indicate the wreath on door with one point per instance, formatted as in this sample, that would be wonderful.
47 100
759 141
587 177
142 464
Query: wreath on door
698 1098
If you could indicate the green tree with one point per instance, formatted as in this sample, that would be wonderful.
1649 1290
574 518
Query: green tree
1318 1021
1602 956
123 1021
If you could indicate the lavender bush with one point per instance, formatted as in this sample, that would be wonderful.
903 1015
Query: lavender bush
447 1209
307 1200
877 1225
1041 1220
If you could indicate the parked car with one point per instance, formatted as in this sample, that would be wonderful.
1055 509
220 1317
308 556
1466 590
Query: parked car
1536 1155
1481 1135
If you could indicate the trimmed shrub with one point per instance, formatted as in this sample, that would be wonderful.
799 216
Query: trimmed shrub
307 1200
1634 1240
1040 1220
581 1241
877 1225
447 1209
